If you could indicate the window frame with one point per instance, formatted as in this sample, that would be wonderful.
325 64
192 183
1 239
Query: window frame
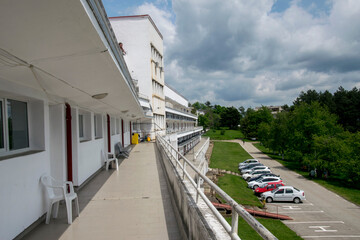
5 126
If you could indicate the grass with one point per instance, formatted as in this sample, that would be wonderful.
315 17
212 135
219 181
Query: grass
332 184
236 187
227 156
228 135
276 227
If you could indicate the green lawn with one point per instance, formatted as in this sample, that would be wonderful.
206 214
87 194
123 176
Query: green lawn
236 187
333 184
276 227
228 135
227 156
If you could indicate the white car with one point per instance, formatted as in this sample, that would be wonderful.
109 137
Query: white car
253 169
255 173
260 182
284 194
247 161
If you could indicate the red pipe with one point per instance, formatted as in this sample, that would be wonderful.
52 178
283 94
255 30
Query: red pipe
108 132
68 142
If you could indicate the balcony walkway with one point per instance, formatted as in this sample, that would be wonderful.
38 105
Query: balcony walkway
133 203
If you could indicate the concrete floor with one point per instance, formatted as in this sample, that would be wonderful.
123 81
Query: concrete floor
133 203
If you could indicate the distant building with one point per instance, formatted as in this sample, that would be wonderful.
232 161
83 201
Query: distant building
181 124
274 109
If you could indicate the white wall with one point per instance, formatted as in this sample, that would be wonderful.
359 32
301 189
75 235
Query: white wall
58 142
175 96
21 194
134 34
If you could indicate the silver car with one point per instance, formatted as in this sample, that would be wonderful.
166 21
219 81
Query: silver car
284 194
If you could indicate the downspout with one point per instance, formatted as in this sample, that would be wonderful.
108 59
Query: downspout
68 142
122 132
130 131
108 132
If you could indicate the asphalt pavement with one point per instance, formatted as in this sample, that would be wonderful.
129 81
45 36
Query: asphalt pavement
323 215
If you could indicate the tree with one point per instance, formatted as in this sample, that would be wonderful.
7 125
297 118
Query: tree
230 117
306 122
250 123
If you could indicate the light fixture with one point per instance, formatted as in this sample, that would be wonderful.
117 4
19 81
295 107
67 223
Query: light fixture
99 96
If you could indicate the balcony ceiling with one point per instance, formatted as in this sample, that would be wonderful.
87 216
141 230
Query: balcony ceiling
70 60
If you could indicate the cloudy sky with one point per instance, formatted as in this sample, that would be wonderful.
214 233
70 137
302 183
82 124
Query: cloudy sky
254 52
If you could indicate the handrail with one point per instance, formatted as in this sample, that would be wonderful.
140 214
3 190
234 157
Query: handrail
202 148
173 154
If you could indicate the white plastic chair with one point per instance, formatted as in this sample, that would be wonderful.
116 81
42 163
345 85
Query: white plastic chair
108 159
56 192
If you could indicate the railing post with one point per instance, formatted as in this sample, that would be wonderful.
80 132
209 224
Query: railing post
184 169
197 187
234 221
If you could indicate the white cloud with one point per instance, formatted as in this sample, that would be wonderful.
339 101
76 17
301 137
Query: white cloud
238 52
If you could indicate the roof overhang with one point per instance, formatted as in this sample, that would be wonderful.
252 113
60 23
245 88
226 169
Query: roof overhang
170 110
63 49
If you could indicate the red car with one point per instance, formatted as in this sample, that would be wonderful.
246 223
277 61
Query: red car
268 187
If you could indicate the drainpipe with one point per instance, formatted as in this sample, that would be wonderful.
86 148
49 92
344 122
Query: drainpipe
68 142
108 132
130 131
122 132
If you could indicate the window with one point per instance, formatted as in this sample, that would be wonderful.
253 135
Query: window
97 126
281 191
81 126
14 133
288 191
17 124
2 143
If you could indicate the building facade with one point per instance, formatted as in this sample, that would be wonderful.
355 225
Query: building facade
66 97
181 124
143 51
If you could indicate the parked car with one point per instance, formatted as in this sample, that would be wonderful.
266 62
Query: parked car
284 193
269 186
255 173
258 183
250 165
262 176
247 161
254 168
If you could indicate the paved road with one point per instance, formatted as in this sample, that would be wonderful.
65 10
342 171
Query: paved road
324 214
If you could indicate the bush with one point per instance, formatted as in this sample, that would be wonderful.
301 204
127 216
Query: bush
222 132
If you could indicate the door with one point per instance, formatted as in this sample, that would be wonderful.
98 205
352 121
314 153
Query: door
279 195
289 194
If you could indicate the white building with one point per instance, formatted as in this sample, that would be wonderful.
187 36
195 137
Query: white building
143 44
180 122
66 96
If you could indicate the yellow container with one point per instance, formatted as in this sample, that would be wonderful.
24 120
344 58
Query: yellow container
135 139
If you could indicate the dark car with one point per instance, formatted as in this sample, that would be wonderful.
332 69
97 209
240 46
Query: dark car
263 175
249 166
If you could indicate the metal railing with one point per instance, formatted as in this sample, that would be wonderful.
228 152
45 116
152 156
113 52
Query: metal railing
204 147
175 157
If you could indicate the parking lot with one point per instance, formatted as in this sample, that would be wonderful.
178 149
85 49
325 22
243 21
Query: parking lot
323 215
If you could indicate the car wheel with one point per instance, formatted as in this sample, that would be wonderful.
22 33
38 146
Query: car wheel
247 179
269 199
296 200
256 186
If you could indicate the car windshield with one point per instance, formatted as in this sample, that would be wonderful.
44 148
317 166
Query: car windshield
263 185
272 191
297 189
